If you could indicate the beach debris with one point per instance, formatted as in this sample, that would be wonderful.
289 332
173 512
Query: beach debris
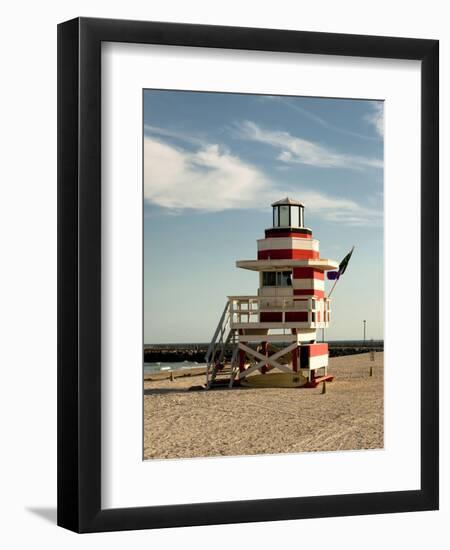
371 371
324 387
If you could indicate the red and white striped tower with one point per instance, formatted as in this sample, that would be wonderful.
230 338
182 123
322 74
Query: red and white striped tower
290 305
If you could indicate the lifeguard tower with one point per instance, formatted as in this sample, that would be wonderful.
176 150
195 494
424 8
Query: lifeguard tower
271 339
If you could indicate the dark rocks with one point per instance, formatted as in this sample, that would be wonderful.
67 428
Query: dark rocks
177 353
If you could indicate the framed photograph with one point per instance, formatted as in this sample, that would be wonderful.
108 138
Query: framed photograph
247 275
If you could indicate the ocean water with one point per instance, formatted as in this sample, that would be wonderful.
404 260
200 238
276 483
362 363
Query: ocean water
174 365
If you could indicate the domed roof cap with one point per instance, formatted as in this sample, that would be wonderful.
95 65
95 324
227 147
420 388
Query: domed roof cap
288 201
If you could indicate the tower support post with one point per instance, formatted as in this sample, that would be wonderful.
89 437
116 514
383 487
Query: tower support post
294 355
265 351
241 356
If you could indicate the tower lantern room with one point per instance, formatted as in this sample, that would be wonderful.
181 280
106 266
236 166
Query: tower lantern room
288 213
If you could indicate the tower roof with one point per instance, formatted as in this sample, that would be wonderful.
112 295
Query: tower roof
321 264
287 200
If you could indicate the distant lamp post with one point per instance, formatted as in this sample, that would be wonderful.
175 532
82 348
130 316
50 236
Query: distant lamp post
364 338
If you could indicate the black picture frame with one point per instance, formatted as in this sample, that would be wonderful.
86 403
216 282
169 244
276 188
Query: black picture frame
79 274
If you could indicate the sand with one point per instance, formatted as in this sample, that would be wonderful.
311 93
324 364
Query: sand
246 421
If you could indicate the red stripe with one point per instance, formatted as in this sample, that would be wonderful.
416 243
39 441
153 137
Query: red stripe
308 273
288 254
277 317
314 350
309 292
288 234
270 317
301 316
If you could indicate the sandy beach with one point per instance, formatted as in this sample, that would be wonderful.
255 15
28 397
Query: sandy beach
246 421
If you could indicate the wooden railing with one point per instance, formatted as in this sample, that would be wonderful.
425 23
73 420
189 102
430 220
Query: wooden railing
246 310
219 338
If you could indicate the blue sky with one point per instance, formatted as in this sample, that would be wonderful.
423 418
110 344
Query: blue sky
213 163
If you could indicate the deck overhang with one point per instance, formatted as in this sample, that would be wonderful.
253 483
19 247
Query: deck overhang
280 265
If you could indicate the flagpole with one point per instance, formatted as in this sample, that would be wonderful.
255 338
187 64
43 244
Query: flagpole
347 258
332 288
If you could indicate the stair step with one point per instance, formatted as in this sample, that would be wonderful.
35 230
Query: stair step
223 371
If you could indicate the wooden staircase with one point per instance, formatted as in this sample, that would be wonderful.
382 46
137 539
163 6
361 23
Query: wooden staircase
219 371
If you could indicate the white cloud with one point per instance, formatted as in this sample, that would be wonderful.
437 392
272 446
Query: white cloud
177 134
376 117
212 179
319 120
297 150
335 209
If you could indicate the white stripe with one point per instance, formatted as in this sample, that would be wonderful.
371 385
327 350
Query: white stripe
286 243
318 361
306 335
315 284
275 291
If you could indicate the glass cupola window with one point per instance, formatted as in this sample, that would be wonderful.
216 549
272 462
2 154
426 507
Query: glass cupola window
288 213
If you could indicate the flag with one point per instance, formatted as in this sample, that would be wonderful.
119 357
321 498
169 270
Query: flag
343 265
334 275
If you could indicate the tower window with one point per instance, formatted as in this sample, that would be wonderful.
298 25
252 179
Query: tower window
269 278
284 216
275 217
277 278
295 222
